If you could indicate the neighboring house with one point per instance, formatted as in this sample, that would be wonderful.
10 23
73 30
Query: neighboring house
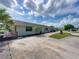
25 28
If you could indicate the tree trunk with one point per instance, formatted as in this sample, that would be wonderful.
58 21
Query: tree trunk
61 31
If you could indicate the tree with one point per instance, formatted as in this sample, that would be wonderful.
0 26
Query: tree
5 19
61 31
68 26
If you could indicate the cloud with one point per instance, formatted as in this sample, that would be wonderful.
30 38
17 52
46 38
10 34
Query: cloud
49 23
44 8
66 20
51 7
46 23
69 20
13 3
5 2
8 3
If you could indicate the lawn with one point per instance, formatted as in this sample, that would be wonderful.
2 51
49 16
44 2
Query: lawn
59 36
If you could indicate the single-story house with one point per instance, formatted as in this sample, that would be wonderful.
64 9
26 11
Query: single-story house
24 28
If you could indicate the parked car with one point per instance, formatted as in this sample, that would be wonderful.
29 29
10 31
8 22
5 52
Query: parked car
1 34
7 34
74 29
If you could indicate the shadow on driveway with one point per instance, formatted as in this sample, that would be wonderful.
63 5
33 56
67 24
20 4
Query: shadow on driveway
21 37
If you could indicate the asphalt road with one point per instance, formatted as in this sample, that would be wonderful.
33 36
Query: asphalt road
40 47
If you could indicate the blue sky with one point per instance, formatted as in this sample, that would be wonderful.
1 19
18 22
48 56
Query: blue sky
46 12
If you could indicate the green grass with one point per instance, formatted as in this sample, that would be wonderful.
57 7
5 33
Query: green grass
59 36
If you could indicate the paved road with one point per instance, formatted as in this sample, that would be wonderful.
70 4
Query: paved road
40 47
4 50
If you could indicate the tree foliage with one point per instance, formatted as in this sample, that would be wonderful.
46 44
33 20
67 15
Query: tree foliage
68 26
5 18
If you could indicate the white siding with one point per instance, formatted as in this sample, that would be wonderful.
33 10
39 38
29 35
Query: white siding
21 30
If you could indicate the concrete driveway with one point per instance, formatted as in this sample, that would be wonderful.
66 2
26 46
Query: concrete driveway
40 47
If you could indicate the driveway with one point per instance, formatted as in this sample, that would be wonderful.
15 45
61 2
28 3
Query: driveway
40 47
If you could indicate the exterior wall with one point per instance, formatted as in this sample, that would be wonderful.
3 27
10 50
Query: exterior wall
45 29
21 29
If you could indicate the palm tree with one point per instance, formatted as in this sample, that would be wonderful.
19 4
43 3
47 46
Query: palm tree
5 19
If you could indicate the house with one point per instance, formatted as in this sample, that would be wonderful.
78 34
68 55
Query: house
25 28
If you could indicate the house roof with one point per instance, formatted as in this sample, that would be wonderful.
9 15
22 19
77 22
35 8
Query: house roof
18 22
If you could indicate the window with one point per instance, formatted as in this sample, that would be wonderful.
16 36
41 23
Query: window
28 28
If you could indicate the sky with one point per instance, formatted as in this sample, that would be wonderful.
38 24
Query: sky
47 12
